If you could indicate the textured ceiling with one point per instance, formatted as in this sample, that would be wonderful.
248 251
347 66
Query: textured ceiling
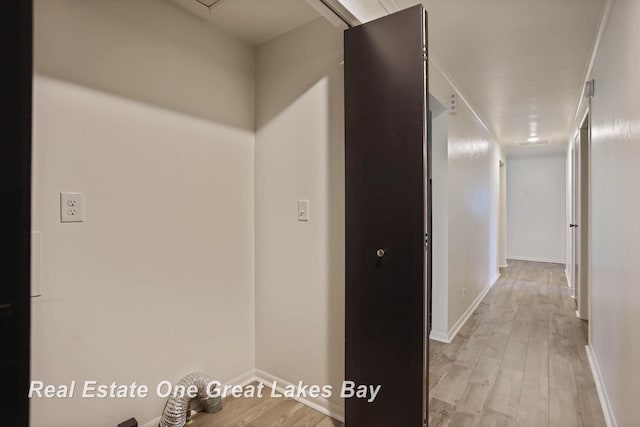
520 63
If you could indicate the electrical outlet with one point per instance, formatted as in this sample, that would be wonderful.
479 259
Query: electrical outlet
71 207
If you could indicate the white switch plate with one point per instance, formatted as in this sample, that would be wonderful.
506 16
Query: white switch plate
71 207
303 210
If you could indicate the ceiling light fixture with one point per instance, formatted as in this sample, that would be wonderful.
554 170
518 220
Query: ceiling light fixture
532 143
533 139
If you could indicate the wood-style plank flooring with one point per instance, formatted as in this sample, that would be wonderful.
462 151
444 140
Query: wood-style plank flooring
263 412
520 359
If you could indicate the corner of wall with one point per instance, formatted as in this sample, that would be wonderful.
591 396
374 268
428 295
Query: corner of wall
455 328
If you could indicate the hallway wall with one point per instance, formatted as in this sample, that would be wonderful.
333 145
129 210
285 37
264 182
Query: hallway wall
473 207
158 280
473 213
615 205
536 199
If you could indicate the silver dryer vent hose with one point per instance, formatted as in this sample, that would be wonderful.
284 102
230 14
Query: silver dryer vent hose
175 410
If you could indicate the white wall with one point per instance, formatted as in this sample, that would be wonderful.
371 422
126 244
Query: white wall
148 50
158 280
300 155
615 229
473 181
536 199
440 222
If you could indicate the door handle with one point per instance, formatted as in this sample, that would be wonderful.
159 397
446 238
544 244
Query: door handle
573 225
380 253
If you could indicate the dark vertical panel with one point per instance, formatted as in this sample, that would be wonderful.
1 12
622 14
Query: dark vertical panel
385 108
15 210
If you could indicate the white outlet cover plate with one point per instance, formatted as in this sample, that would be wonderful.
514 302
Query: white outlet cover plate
71 207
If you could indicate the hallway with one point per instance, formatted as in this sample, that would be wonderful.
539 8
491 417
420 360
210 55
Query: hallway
519 360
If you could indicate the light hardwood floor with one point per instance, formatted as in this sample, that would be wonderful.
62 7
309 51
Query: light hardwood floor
518 361
263 412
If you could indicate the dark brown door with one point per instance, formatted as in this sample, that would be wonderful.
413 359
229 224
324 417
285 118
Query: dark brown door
386 148
15 183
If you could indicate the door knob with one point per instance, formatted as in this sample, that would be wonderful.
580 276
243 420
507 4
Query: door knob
573 225
380 253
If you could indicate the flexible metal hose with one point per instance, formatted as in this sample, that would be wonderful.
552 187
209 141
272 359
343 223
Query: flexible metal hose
175 410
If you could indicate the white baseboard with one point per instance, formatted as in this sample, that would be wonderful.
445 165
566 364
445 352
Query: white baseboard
439 336
607 411
244 379
241 380
449 336
569 284
320 404
534 259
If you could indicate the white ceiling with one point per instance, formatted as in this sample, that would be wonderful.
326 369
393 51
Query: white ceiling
254 21
520 63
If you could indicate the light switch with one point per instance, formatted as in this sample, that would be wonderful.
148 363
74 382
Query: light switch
71 207
303 210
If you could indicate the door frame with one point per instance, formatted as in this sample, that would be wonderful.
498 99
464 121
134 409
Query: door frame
579 256
584 228
15 216
574 218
